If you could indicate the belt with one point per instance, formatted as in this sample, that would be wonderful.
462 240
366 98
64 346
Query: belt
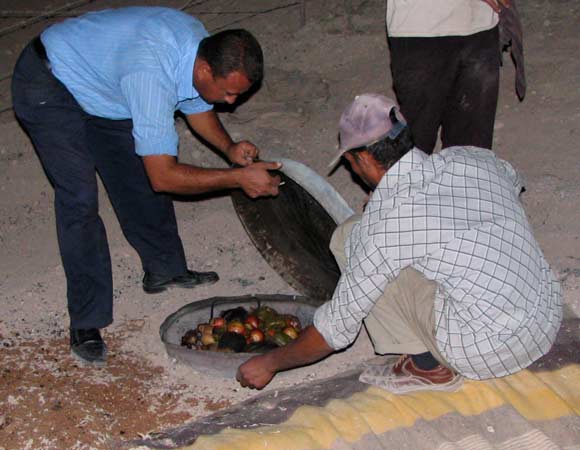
40 51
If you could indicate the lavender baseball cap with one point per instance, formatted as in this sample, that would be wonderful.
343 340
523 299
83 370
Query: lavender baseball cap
366 120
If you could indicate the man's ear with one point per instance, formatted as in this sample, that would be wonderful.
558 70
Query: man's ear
360 158
373 170
205 69
365 159
349 157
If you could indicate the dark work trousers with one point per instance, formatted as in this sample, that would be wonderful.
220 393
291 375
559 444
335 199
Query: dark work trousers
450 82
73 147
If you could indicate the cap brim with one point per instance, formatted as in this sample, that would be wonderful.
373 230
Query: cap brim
337 158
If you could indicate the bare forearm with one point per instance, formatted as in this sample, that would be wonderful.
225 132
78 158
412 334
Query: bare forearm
167 175
259 370
209 127
308 348
186 180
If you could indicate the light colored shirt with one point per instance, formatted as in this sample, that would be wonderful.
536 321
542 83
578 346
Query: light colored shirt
435 18
455 217
131 63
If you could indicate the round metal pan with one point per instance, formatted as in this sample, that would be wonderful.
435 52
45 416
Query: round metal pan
218 363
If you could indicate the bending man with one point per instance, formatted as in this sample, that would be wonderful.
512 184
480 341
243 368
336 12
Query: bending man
442 267
98 94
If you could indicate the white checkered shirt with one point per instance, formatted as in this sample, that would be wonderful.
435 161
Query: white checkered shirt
455 217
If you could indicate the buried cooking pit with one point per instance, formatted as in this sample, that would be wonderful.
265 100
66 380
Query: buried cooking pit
292 232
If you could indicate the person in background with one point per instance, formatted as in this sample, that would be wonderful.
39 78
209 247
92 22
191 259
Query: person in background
445 59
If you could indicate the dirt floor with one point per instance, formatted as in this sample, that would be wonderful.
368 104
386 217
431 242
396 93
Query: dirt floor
48 401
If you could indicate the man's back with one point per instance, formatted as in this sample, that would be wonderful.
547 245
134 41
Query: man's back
94 53
499 306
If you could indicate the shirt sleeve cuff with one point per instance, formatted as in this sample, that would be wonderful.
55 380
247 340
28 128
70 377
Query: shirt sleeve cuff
194 106
323 325
161 146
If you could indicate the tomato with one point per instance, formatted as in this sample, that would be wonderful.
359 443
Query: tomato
235 326
256 336
253 321
270 332
290 332
218 322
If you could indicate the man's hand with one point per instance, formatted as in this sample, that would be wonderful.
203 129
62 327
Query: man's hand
497 5
256 181
242 153
256 372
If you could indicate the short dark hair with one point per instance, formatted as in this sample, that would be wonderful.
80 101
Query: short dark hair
233 51
388 151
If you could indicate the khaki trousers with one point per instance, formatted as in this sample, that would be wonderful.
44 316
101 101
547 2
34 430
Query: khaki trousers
402 320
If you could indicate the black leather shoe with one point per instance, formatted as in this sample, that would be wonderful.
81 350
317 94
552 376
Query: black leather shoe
153 283
88 346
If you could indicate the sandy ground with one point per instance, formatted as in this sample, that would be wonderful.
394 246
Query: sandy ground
48 401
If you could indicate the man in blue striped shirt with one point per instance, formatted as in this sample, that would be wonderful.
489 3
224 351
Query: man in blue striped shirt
98 94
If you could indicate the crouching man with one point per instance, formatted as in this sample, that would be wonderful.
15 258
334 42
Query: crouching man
442 266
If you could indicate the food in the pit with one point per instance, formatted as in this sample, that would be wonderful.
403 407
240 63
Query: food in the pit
291 332
229 341
240 330
218 322
252 321
240 313
235 326
189 339
256 336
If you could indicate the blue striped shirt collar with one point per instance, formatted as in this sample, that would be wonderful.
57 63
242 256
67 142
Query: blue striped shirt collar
185 87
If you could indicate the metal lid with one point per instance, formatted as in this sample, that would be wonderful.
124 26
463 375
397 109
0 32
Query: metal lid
292 231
